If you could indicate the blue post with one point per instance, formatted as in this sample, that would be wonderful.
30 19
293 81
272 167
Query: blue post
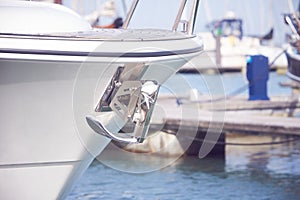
258 75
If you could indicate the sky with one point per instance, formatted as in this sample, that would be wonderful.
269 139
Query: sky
259 16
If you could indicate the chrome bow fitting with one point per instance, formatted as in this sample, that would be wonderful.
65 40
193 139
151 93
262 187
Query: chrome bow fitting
132 100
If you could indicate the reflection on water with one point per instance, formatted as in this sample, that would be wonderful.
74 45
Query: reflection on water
247 172
273 159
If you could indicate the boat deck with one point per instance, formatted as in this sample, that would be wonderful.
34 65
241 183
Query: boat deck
109 35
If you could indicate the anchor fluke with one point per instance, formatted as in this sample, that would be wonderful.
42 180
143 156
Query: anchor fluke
97 126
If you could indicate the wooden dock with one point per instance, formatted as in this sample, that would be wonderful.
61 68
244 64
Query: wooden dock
205 117
178 129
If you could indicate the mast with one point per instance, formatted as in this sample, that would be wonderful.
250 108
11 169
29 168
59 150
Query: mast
193 16
124 7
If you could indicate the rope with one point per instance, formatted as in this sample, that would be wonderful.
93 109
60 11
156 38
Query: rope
274 60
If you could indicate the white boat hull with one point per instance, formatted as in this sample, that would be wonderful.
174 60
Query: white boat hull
40 148
45 144
52 79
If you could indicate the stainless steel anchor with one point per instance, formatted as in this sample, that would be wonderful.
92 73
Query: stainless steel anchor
133 101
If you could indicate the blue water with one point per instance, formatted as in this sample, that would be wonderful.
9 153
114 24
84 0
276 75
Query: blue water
246 172
271 172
